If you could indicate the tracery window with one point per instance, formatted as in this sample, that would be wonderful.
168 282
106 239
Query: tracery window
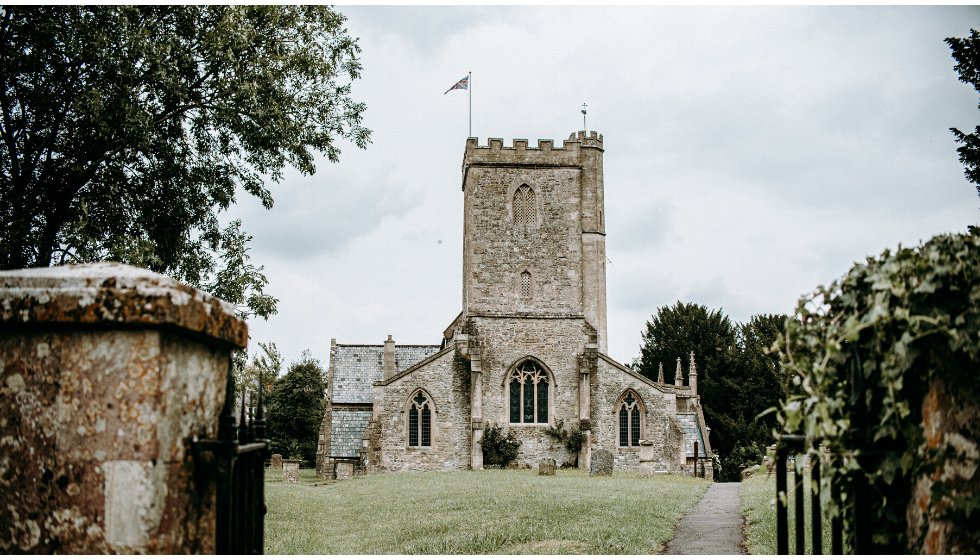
528 394
420 421
525 213
525 285
630 415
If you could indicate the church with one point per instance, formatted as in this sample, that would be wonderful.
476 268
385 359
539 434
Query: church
528 348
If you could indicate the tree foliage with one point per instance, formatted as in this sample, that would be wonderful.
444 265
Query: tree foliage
127 130
966 53
911 320
296 408
737 380
266 366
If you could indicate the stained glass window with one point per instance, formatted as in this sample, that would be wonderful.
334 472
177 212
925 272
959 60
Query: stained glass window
635 427
413 427
630 421
528 395
542 409
623 424
515 401
427 426
420 421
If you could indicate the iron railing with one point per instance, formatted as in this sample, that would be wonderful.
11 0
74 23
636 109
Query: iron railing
797 444
236 460
858 489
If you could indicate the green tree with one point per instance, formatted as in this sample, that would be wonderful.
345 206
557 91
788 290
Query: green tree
296 408
266 367
966 53
676 331
760 387
737 379
127 130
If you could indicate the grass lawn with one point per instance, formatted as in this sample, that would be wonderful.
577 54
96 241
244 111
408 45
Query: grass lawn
757 494
476 512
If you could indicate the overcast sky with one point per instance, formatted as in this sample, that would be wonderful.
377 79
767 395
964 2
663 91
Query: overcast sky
750 155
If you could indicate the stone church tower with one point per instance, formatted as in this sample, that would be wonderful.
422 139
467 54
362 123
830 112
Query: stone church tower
534 277
528 349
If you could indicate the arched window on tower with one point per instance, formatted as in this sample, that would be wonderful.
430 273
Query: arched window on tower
525 285
630 419
525 212
528 387
419 420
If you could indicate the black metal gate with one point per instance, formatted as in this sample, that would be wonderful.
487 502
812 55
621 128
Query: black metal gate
858 491
797 443
236 461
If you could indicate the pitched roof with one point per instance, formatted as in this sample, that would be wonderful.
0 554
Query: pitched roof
357 366
692 433
347 431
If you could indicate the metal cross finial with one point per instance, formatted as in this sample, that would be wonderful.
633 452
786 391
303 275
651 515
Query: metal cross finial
584 127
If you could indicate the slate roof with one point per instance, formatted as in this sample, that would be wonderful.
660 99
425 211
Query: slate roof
347 431
692 433
357 366
355 369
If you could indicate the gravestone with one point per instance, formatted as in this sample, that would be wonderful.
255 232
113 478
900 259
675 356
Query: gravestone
647 470
646 450
345 471
290 470
276 461
547 467
602 463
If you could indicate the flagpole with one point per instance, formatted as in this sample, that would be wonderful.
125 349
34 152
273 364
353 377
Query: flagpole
470 90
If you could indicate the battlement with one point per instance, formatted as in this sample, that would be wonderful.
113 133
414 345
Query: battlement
574 142
520 152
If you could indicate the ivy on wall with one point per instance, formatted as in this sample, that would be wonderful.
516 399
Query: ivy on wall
908 322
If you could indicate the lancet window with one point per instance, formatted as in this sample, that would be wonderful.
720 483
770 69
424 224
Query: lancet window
420 421
525 285
525 213
528 394
630 420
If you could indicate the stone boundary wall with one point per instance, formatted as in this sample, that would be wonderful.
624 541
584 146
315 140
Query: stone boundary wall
107 372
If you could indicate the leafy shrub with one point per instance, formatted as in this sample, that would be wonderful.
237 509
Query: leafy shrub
904 322
499 449
572 439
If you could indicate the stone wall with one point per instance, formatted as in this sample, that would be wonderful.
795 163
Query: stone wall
498 251
950 425
563 248
554 343
106 374
445 378
324 466
659 426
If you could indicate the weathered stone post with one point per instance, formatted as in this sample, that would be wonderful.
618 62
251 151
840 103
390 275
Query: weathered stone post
107 372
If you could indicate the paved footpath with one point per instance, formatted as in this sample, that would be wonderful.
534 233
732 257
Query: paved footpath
714 526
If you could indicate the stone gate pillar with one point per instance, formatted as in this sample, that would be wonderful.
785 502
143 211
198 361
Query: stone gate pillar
107 372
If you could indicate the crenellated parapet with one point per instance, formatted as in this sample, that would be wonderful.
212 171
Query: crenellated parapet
571 153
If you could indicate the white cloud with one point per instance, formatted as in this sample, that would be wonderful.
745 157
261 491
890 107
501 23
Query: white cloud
751 154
